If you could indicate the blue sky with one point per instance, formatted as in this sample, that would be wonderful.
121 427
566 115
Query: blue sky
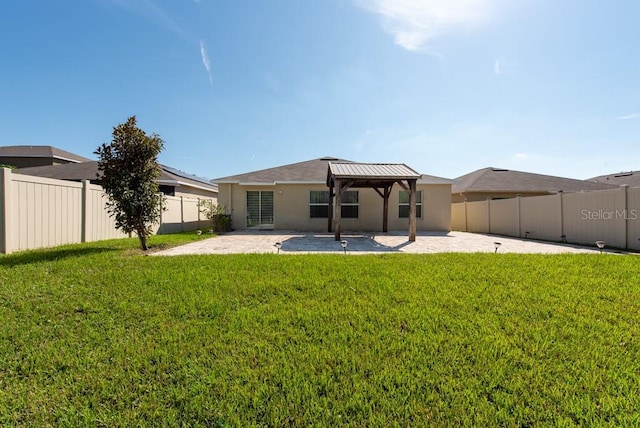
445 86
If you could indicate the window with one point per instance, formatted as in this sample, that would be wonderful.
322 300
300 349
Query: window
349 204
319 204
403 204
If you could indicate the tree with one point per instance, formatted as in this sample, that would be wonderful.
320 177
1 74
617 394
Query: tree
130 171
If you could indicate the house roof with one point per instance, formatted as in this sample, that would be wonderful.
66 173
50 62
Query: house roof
312 171
494 180
89 171
631 179
40 152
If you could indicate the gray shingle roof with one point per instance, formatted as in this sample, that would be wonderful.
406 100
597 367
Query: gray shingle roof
631 179
504 180
312 171
89 171
41 152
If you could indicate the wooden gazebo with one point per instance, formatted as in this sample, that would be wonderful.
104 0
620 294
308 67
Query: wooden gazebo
378 176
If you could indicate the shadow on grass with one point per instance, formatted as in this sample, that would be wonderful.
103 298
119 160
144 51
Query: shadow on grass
28 257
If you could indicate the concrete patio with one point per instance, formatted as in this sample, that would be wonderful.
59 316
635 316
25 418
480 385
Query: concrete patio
368 243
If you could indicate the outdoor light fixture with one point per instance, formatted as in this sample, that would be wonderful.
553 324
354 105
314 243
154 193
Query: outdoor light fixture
344 244
198 232
278 245
497 245
600 245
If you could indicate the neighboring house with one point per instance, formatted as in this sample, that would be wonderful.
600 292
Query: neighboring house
28 156
172 182
296 197
498 183
631 179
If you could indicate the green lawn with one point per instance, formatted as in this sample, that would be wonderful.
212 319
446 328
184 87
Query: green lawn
99 334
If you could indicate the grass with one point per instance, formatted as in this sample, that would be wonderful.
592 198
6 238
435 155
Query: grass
98 334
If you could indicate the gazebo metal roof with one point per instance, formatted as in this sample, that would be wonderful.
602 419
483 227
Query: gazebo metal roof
371 171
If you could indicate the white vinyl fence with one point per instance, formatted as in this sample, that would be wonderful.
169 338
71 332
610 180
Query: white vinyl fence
612 216
40 212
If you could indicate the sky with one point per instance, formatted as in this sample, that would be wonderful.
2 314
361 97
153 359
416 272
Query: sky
444 86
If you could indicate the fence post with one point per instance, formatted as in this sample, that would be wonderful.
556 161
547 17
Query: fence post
159 232
519 197
625 193
489 215
84 211
5 212
199 226
560 193
182 213
466 218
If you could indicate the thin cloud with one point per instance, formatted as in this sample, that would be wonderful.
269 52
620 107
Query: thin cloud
497 69
631 116
414 23
205 60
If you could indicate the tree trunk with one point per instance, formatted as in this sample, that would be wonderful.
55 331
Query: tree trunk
142 235
143 242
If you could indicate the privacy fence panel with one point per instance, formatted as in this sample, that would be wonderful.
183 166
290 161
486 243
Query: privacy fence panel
99 224
478 216
633 218
458 216
541 217
45 212
504 217
39 212
612 216
594 216
171 216
191 215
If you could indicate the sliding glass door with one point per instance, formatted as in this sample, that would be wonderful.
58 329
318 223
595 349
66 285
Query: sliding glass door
259 209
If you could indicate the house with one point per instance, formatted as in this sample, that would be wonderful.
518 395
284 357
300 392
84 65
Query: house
28 156
499 183
296 197
631 179
172 182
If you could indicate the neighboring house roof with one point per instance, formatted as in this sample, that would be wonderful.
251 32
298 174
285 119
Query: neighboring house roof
40 152
312 172
489 180
89 171
631 179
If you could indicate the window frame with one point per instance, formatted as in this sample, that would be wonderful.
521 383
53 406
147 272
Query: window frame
319 204
419 204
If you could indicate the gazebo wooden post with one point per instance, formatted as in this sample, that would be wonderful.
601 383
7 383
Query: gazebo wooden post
330 213
412 210
338 209
385 215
